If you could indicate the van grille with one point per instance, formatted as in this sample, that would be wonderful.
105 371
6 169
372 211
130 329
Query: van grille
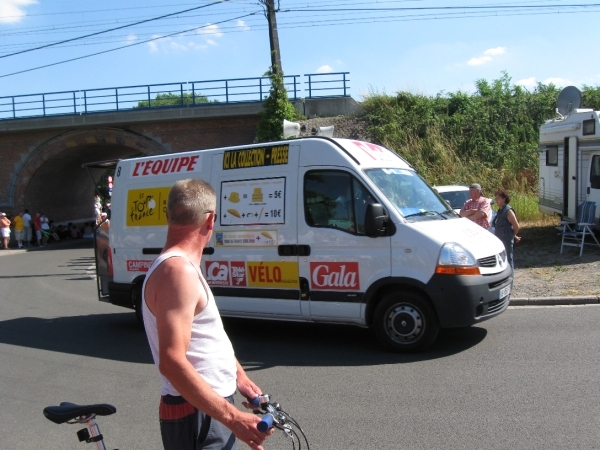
490 261
497 283
497 305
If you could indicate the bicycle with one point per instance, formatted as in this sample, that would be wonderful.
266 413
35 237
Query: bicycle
71 413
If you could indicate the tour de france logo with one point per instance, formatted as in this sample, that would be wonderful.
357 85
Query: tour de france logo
147 207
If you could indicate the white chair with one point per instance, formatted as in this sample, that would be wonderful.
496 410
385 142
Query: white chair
574 233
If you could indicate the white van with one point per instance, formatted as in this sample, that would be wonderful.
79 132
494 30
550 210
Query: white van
313 229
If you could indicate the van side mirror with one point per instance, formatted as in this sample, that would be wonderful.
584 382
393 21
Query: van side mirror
375 220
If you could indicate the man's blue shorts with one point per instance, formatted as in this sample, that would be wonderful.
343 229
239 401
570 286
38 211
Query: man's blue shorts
183 427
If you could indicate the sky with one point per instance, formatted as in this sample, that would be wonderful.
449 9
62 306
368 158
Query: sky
422 46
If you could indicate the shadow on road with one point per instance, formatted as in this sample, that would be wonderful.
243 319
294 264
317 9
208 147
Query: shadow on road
108 336
258 344
262 344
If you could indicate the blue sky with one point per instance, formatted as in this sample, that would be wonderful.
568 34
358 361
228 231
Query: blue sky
420 50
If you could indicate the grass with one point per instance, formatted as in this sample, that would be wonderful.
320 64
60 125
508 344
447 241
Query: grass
528 213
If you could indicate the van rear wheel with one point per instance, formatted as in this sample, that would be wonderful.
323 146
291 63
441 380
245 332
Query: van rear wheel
405 322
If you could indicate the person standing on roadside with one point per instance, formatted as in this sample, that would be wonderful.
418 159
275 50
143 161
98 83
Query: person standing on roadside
195 358
27 225
37 227
477 208
4 230
506 224
19 229
45 228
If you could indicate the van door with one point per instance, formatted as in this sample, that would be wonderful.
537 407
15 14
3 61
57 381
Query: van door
593 185
254 267
570 183
338 262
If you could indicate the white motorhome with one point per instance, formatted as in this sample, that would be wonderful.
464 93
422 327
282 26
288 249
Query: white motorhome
313 229
569 158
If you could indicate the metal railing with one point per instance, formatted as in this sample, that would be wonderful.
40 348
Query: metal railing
169 95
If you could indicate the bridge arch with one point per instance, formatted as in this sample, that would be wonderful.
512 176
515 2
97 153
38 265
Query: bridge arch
51 179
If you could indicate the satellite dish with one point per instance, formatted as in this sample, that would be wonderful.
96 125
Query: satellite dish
569 99
290 129
325 131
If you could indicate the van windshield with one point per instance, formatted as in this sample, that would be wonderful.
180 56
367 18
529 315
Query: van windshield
410 195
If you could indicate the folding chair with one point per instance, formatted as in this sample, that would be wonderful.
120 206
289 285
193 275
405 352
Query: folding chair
574 233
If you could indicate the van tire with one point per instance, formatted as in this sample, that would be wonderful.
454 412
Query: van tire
405 322
137 303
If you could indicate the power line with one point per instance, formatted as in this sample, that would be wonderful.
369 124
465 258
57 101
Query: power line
295 23
124 46
435 8
112 29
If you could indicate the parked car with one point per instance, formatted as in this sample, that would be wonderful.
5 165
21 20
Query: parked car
456 196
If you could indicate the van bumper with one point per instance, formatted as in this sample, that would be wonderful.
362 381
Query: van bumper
464 300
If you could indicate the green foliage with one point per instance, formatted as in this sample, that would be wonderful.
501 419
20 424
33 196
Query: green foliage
170 99
489 136
276 108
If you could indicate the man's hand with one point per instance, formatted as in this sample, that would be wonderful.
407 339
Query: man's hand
246 386
245 429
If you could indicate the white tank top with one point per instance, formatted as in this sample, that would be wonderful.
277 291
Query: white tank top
210 350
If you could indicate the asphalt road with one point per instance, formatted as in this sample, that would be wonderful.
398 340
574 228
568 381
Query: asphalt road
530 379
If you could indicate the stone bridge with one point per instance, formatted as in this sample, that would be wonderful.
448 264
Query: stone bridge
41 158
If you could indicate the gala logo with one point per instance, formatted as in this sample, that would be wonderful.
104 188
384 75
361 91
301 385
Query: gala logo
335 276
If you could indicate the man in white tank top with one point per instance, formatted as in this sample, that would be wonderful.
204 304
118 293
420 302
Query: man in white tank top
198 368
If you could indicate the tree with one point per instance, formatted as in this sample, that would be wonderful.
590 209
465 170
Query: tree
170 99
276 108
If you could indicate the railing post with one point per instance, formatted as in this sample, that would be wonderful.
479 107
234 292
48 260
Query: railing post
295 94
181 90
13 104
149 101
193 93
117 97
344 84
74 104
226 91
309 87
85 101
260 89
44 104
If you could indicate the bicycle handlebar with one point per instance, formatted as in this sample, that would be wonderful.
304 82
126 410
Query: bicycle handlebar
266 423
275 417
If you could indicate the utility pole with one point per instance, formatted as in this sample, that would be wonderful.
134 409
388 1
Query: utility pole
273 35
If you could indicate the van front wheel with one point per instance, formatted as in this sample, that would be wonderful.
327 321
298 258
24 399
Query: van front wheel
405 322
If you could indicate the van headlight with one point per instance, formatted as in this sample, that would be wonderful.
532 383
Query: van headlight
454 259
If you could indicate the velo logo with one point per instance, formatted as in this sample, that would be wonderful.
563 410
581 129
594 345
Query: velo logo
335 276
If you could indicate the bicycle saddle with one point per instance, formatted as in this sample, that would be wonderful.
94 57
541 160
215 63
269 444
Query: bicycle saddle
69 411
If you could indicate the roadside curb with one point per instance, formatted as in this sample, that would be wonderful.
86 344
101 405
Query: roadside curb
542 301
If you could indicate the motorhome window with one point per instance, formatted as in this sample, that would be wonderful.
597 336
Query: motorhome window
552 156
595 172
589 127
335 199
410 194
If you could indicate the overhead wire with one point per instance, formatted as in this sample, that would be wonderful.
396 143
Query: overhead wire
293 19
285 20
112 29
124 46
